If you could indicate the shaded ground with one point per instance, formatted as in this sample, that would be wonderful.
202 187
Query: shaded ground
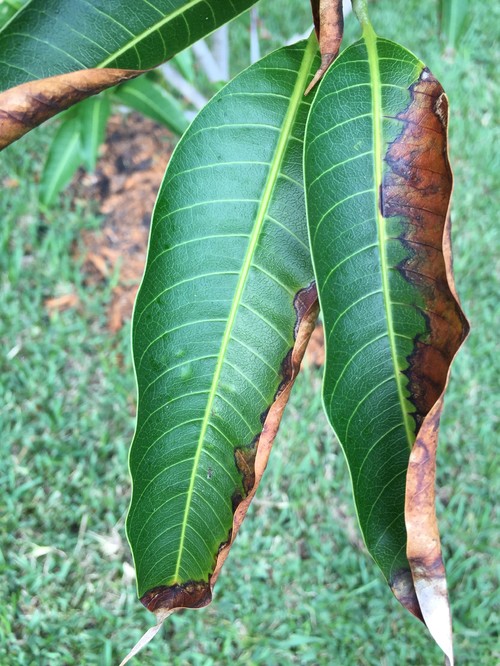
125 183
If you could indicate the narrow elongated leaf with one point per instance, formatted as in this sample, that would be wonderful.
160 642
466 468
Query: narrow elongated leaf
63 160
378 185
53 51
93 114
153 101
221 320
51 37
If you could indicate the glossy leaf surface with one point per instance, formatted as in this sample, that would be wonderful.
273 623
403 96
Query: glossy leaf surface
227 284
55 53
50 37
378 185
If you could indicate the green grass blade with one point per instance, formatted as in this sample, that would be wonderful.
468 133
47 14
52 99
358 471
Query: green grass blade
453 20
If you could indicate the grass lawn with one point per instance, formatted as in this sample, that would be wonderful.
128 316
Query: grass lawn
298 587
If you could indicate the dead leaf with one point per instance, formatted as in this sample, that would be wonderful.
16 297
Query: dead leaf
329 21
60 303
315 352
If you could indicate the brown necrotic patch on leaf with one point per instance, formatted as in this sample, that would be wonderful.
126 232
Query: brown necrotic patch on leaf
26 106
188 595
245 462
252 462
403 588
305 302
417 189
423 545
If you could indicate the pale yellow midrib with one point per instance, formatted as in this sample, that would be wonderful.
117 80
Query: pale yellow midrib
149 31
259 221
371 47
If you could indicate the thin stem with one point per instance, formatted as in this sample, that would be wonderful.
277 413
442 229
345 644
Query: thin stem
360 8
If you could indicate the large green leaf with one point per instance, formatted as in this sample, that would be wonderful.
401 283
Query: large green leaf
216 317
50 37
378 185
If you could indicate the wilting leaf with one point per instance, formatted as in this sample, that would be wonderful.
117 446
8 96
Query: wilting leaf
221 320
154 101
50 38
63 159
93 114
378 185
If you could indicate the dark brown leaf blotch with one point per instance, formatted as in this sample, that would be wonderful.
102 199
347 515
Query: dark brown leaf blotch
188 595
417 187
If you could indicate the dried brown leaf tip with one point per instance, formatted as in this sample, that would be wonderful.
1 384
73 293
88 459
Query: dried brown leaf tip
328 18
415 197
26 106
187 595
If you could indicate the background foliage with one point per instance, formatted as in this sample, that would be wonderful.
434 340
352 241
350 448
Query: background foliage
298 587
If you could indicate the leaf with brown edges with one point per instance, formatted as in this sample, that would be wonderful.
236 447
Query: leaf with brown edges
54 53
222 317
26 106
378 185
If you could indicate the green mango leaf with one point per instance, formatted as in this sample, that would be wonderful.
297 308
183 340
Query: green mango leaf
50 37
55 53
217 322
378 185
153 101
63 159
93 113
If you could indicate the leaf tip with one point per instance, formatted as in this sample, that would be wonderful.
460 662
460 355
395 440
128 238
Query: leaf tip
404 590
146 637
165 598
